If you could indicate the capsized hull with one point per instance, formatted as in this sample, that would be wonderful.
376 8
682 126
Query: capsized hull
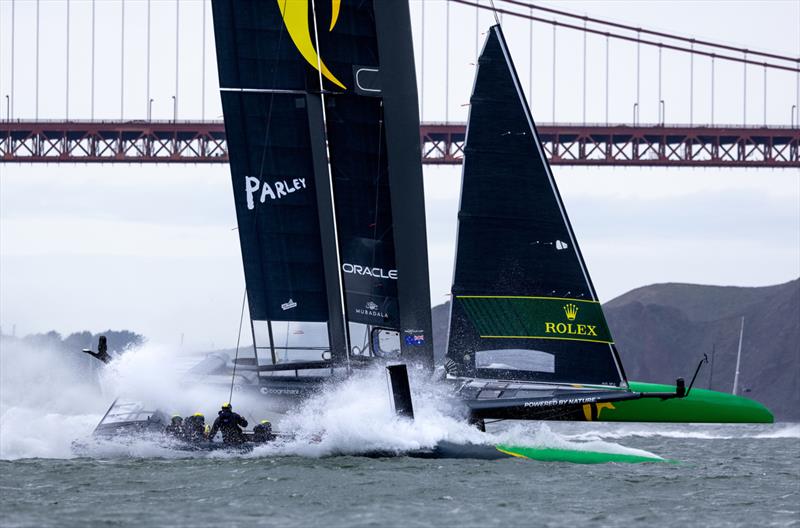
701 406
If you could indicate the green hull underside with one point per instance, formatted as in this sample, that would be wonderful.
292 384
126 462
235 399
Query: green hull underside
701 406
574 456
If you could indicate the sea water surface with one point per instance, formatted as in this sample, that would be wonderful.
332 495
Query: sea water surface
711 475
724 476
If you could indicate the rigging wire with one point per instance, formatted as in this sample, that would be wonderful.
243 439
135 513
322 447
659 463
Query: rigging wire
494 12
238 340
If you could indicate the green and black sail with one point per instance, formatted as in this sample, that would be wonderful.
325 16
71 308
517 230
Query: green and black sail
523 304
320 104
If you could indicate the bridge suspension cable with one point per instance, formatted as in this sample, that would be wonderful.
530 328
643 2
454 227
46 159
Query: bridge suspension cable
652 32
639 40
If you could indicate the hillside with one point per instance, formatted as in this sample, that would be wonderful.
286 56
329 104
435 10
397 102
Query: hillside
663 330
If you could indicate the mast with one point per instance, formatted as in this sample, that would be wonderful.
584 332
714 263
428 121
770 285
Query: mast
401 115
738 359
337 323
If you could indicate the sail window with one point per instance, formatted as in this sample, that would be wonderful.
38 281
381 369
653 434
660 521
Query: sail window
516 359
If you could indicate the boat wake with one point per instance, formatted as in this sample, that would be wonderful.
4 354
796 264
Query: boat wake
356 418
616 431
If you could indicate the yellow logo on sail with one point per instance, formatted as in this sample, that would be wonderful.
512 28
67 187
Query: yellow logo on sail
295 16
569 329
571 311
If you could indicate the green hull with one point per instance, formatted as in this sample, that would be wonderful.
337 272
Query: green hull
574 456
446 449
701 406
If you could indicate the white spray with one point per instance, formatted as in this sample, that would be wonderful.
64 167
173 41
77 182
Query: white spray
44 407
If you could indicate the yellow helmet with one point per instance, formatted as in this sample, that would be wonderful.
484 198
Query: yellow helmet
264 421
226 405
199 414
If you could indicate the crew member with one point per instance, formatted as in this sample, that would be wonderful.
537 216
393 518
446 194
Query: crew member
175 428
230 424
262 433
194 428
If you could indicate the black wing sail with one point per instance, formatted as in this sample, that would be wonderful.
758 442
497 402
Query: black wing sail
359 168
275 134
523 305
310 117
373 141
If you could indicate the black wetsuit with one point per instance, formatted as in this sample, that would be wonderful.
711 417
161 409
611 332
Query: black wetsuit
229 423
262 433
194 429
175 429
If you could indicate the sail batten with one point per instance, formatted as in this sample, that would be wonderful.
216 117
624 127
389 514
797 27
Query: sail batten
523 305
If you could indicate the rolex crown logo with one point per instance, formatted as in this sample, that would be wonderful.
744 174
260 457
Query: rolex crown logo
571 311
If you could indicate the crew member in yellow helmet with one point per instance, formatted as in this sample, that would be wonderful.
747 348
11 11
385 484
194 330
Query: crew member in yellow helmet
262 433
194 428
175 428
229 423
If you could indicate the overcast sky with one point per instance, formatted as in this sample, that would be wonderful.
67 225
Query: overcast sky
153 249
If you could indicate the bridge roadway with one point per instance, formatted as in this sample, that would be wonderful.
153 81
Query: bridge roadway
441 143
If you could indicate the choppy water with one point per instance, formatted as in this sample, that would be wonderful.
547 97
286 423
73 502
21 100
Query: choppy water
725 475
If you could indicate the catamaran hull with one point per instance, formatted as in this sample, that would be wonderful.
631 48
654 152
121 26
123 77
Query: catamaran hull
450 450
701 406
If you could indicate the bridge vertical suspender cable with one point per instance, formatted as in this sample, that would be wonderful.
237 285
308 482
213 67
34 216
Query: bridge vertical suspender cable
477 28
93 40
447 65
712 89
744 96
691 85
203 68
148 102
66 70
584 72
530 62
177 58
422 67
660 99
554 75
765 95
638 77
122 61
607 51
37 60
13 27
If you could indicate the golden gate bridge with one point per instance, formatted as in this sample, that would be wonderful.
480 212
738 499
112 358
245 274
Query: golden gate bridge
31 134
